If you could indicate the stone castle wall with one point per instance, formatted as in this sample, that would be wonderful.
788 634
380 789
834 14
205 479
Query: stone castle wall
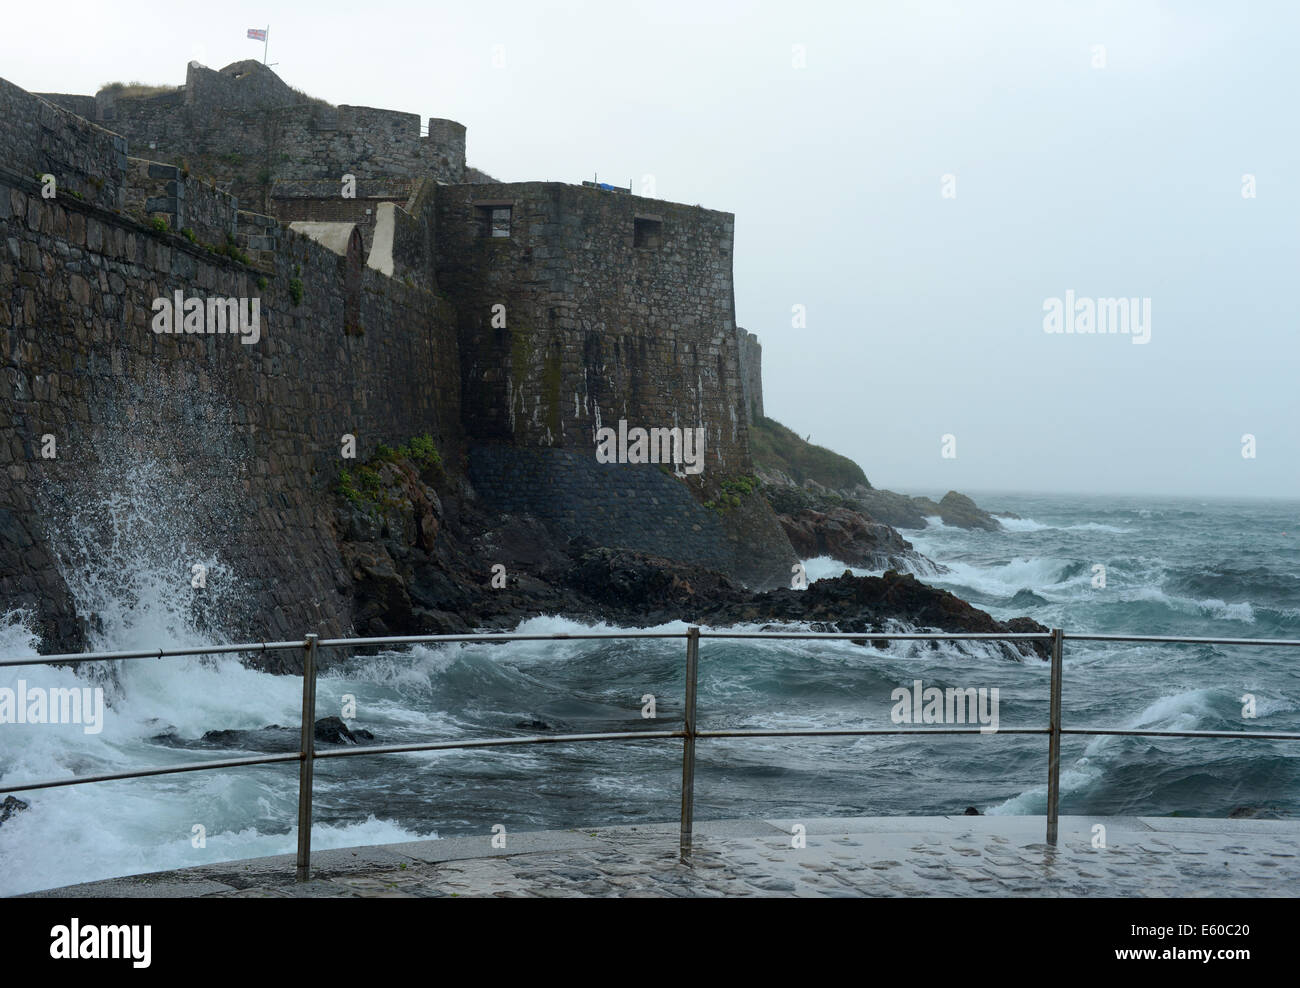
616 307
751 374
597 328
632 506
39 138
243 128
248 437
321 200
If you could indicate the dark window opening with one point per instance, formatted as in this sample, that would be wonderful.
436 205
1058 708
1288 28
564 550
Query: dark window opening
494 221
647 233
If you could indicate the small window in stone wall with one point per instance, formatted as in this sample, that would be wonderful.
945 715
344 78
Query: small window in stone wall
647 233
494 221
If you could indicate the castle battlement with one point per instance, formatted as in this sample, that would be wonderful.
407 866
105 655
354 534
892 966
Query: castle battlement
244 129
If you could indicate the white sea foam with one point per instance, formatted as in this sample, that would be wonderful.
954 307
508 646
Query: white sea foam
1006 579
1030 525
1241 611
1033 802
826 568
1022 525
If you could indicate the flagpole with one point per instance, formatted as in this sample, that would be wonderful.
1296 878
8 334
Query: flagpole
266 43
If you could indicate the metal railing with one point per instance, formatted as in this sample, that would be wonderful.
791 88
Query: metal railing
307 755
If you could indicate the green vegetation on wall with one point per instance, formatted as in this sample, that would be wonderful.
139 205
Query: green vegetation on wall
363 486
731 491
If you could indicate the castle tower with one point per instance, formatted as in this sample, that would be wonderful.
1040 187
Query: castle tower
447 138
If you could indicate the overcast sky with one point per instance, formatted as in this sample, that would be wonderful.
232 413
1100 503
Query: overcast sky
924 313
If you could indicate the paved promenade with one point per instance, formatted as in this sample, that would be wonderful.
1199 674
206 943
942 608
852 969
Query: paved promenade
865 856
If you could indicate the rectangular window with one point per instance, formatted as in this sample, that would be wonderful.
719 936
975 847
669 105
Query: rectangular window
494 221
647 232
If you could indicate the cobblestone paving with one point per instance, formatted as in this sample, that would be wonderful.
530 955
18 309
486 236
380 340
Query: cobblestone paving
938 856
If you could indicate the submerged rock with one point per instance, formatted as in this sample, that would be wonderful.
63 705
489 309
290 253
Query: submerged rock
1254 813
10 806
272 739
332 730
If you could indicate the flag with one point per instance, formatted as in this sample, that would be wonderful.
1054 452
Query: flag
257 33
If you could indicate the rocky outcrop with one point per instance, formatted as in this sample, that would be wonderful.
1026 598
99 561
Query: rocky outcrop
870 603
820 522
846 535
903 511
785 462
485 571
961 512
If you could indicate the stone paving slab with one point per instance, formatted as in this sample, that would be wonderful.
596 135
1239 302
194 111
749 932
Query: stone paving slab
871 856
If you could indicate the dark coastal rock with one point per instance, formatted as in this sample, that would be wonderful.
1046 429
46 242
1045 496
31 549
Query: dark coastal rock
847 536
403 583
380 590
866 603
902 511
332 730
820 522
524 546
272 739
1254 813
961 512
971 811
896 510
10 806
625 583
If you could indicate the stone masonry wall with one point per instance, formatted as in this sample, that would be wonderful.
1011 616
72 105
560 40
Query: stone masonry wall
632 506
39 138
321 200
751 374
226 452
597 329
155 189
243 128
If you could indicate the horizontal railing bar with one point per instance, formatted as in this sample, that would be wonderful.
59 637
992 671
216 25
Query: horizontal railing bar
491 637
818 732
881 635
144 773
1177 640
1260 735
157 653
630 736
389 749
162 653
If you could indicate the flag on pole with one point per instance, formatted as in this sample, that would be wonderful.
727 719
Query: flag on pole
257 33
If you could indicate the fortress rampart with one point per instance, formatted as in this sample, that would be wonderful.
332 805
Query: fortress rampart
379 326
244 128
615 307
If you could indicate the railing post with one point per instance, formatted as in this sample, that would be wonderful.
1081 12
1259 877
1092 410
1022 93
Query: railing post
688 745
1054 740
308 753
